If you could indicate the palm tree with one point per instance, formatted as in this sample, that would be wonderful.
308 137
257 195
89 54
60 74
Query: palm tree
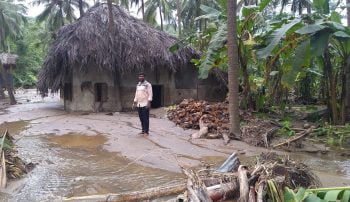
297 6
142 6
178 14
123 3
233 67
11 18
165 9
190 10
59 12
81 8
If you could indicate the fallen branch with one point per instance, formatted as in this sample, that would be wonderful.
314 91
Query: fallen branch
203 130
147 194
301 135
268 133
260 194
226 138
3 177
196 190
223 191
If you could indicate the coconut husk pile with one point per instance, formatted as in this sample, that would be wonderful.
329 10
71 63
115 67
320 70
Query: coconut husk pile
213 121
15 167
189 111
247 183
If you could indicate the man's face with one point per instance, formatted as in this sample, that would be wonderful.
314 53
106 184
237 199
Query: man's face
141 78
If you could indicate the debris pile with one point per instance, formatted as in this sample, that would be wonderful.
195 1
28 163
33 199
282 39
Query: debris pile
233 181
258 132
214 117
12 167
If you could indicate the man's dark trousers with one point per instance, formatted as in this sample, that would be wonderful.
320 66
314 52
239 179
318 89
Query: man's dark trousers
144 118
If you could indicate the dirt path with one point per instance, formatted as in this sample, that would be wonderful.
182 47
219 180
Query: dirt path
98 153
166 146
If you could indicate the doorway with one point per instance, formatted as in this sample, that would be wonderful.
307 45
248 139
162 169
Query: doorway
157 96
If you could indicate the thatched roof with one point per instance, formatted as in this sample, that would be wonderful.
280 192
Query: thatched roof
8 58
88 43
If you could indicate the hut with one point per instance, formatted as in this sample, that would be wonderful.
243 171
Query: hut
96 69
7 64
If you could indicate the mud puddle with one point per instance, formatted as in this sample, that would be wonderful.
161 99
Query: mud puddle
76 165
76 140
14 128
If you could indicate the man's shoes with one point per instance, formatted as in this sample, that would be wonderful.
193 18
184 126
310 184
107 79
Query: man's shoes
146 134
142 133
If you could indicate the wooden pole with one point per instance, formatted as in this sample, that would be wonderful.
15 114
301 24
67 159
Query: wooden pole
147 194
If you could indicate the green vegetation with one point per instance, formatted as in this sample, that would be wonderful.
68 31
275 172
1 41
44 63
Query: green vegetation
285 57
341 194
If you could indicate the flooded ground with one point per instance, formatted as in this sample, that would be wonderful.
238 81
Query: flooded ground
96 153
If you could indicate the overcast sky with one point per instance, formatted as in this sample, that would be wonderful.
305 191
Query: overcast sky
33 11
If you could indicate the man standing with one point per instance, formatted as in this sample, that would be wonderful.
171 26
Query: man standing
142 101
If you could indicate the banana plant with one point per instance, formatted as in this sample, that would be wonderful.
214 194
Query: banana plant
299 41
275 193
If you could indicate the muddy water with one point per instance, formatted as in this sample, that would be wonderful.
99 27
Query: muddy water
14 128
72 140
76 165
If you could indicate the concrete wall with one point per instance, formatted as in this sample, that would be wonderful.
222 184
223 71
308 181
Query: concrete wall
84 99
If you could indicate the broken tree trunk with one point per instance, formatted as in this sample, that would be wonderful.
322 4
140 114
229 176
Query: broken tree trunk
203 130
196 189
243 184
230 165
260 194
223 191
252 194
147 194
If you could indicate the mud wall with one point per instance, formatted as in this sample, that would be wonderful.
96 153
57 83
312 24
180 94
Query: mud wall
176 86
158 77
173 87
84 92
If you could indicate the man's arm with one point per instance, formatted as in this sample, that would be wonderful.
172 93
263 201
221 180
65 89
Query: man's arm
135 100
150 95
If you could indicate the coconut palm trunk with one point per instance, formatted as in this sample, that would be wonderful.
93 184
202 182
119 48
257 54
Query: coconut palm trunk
346 82
110 15
233 68
178 10
143 9
81 10
160 15
7 80
348 12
